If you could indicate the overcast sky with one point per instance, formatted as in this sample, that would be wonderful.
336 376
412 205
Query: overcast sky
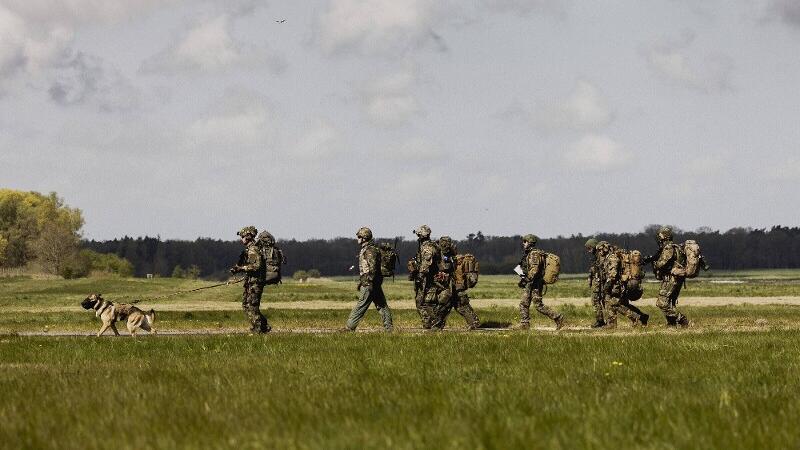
194 118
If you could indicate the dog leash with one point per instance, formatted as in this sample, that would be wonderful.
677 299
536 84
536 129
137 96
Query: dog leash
227 283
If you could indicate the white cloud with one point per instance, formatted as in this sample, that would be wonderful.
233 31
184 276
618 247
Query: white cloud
388 101
788 11
680 63
321 141
585 109
87 79
210 46
788 171
414 150
241 120
389 27
377 26
597 153
36 40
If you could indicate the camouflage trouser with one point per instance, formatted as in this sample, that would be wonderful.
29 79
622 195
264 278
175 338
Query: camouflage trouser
533 294
425 299
598 302
251 303
370 294
621 305
668 298
458 299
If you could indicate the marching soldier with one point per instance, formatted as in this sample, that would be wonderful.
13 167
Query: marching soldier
422 270
596 282
452 293
617 291
532 281
369 282
251 264
668 256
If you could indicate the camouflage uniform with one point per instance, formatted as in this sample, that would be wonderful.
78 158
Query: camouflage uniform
670 284
449 295
426 266
614 289
370 283
250 262
532 282
596 271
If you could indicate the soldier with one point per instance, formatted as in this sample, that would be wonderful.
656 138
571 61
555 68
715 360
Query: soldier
532 282
369 282
668 255
252 264
596 282
422 270
617 291
451 294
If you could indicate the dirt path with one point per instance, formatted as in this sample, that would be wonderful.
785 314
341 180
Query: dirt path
409 304
575 330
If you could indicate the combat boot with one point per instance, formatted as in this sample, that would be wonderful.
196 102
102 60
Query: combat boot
683 322
559 322
672 321
598 324
643 319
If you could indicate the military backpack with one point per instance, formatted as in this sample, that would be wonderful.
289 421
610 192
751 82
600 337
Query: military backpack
688 261
466 272
552 268
273 260
632 265
388 260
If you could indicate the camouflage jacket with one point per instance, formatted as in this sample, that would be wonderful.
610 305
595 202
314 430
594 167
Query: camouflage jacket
667 257
612 271
369 264
532 263
597 269
428 257
251 263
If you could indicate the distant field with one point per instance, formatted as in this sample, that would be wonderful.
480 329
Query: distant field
21 291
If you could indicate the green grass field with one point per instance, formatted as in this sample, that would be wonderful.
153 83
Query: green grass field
445 390
730 381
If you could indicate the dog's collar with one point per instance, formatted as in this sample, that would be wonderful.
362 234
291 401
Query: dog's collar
104 307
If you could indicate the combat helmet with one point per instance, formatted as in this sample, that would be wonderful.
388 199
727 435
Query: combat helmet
446 244
247 231
423 231
530 238
364 233
266 238
664 234
591 244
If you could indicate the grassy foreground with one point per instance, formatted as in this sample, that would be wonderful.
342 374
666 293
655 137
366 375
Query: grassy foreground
484 390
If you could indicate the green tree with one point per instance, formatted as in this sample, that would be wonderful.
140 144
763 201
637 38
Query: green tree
31 223
178 272
314 273
193 272
300 275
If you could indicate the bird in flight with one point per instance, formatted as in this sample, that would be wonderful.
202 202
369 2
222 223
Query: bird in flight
280 21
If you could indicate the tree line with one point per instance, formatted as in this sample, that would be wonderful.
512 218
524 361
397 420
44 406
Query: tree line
734 249
42 233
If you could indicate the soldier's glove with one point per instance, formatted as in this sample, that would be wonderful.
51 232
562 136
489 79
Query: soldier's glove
522 282
235 269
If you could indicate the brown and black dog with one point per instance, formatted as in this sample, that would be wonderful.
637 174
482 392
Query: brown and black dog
110 314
